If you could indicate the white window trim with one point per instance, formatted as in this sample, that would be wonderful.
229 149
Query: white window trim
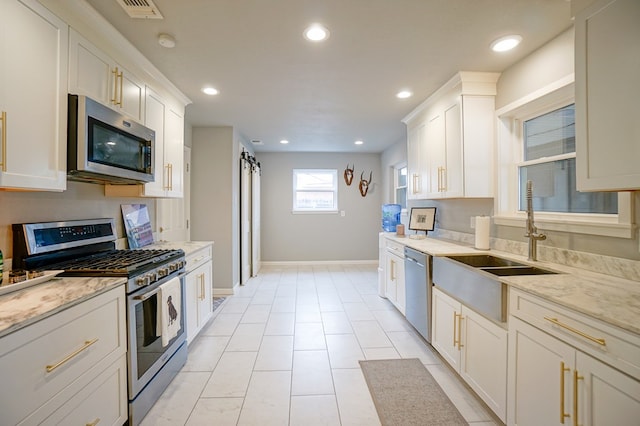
396 169
296 210
509 148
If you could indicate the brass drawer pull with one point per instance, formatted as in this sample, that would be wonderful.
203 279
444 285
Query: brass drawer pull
86 345
578 332
576 377
94 423
562 371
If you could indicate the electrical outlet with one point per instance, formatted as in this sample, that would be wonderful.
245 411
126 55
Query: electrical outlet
342 213
472 223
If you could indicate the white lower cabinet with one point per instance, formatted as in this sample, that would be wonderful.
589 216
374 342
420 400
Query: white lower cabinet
199 291
552 382
394 281
69 364
475 347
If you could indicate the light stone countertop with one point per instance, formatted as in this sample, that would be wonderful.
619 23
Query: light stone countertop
610 299
24 307
188 246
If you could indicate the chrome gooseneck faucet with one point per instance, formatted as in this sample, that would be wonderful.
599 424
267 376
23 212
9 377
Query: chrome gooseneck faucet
532 230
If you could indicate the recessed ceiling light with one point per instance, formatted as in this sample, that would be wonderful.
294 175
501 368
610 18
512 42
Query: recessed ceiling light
506 43
404 94
316 32
284 141
358 142
166 40
210 90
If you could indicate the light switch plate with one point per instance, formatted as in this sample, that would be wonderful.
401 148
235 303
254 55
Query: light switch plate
472 222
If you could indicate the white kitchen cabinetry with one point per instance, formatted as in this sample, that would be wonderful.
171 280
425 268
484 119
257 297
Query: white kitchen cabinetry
94 74
199 291
607 93
394 282
33 107
450 139
475 347
71 365
564 367
167 119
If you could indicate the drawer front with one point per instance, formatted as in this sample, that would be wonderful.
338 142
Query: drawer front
102 402
49 359
198 258
609 344
395 248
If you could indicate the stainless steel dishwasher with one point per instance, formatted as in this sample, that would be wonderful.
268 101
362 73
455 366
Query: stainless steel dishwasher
418 283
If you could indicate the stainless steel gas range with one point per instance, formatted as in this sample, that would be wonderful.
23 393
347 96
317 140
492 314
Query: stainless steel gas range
87 248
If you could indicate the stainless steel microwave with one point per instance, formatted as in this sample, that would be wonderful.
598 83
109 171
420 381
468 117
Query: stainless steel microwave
104 146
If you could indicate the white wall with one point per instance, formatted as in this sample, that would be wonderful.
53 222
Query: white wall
319 237
79 201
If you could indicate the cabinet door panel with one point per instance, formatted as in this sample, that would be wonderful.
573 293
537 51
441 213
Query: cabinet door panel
154 119
444 331
174 151
535 376
452 176
90 70
606 396
33 77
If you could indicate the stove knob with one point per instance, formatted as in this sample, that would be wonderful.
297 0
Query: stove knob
153 277
173 267
163 272
140 281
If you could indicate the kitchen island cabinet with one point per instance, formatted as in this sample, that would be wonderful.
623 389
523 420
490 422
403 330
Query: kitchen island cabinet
607 66
565 368
69 366
475 347
33 101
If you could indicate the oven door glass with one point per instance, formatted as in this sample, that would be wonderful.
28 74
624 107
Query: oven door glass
146 349
113 147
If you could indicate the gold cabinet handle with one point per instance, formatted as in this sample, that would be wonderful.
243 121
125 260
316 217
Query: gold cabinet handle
94 423
414 177
444 179
555 321
576 377
392 272
121 77
170 176
86 345
198 259
201 278
439 179
460 318
563 369
457 327
165 182
3 141
114 99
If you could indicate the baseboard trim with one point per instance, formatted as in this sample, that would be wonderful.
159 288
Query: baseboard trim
222 292
319 262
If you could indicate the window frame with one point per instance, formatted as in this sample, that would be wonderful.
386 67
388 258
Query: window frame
509 150
396 186
297 210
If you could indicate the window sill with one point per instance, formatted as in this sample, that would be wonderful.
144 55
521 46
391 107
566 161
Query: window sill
607 229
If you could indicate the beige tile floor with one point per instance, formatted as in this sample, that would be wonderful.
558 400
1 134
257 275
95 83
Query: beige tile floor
285 351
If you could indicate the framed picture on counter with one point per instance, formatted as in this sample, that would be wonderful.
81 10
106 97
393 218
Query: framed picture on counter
422 219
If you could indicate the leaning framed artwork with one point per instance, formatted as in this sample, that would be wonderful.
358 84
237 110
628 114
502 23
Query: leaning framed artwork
422 219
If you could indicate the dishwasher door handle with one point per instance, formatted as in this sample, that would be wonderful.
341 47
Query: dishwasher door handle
414 261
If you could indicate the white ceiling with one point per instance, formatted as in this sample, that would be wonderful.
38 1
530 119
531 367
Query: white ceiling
322 97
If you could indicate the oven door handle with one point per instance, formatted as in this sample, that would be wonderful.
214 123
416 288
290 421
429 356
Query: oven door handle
145 296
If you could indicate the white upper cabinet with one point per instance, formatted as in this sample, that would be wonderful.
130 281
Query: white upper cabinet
94 74
607 91
33 101
450 140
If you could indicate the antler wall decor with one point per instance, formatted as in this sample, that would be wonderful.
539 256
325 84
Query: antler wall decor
348 174
364 184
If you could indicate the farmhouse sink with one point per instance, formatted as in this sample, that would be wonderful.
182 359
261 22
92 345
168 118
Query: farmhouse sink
475 281
485 260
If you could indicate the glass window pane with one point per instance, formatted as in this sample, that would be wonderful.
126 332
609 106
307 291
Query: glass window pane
402 177
401 197
553 133
314 180
554 190
314 200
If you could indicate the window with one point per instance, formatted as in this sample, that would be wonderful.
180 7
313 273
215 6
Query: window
315 190
401 186
549 161
536 141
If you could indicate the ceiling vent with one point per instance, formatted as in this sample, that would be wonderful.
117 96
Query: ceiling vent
140 9
256 142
